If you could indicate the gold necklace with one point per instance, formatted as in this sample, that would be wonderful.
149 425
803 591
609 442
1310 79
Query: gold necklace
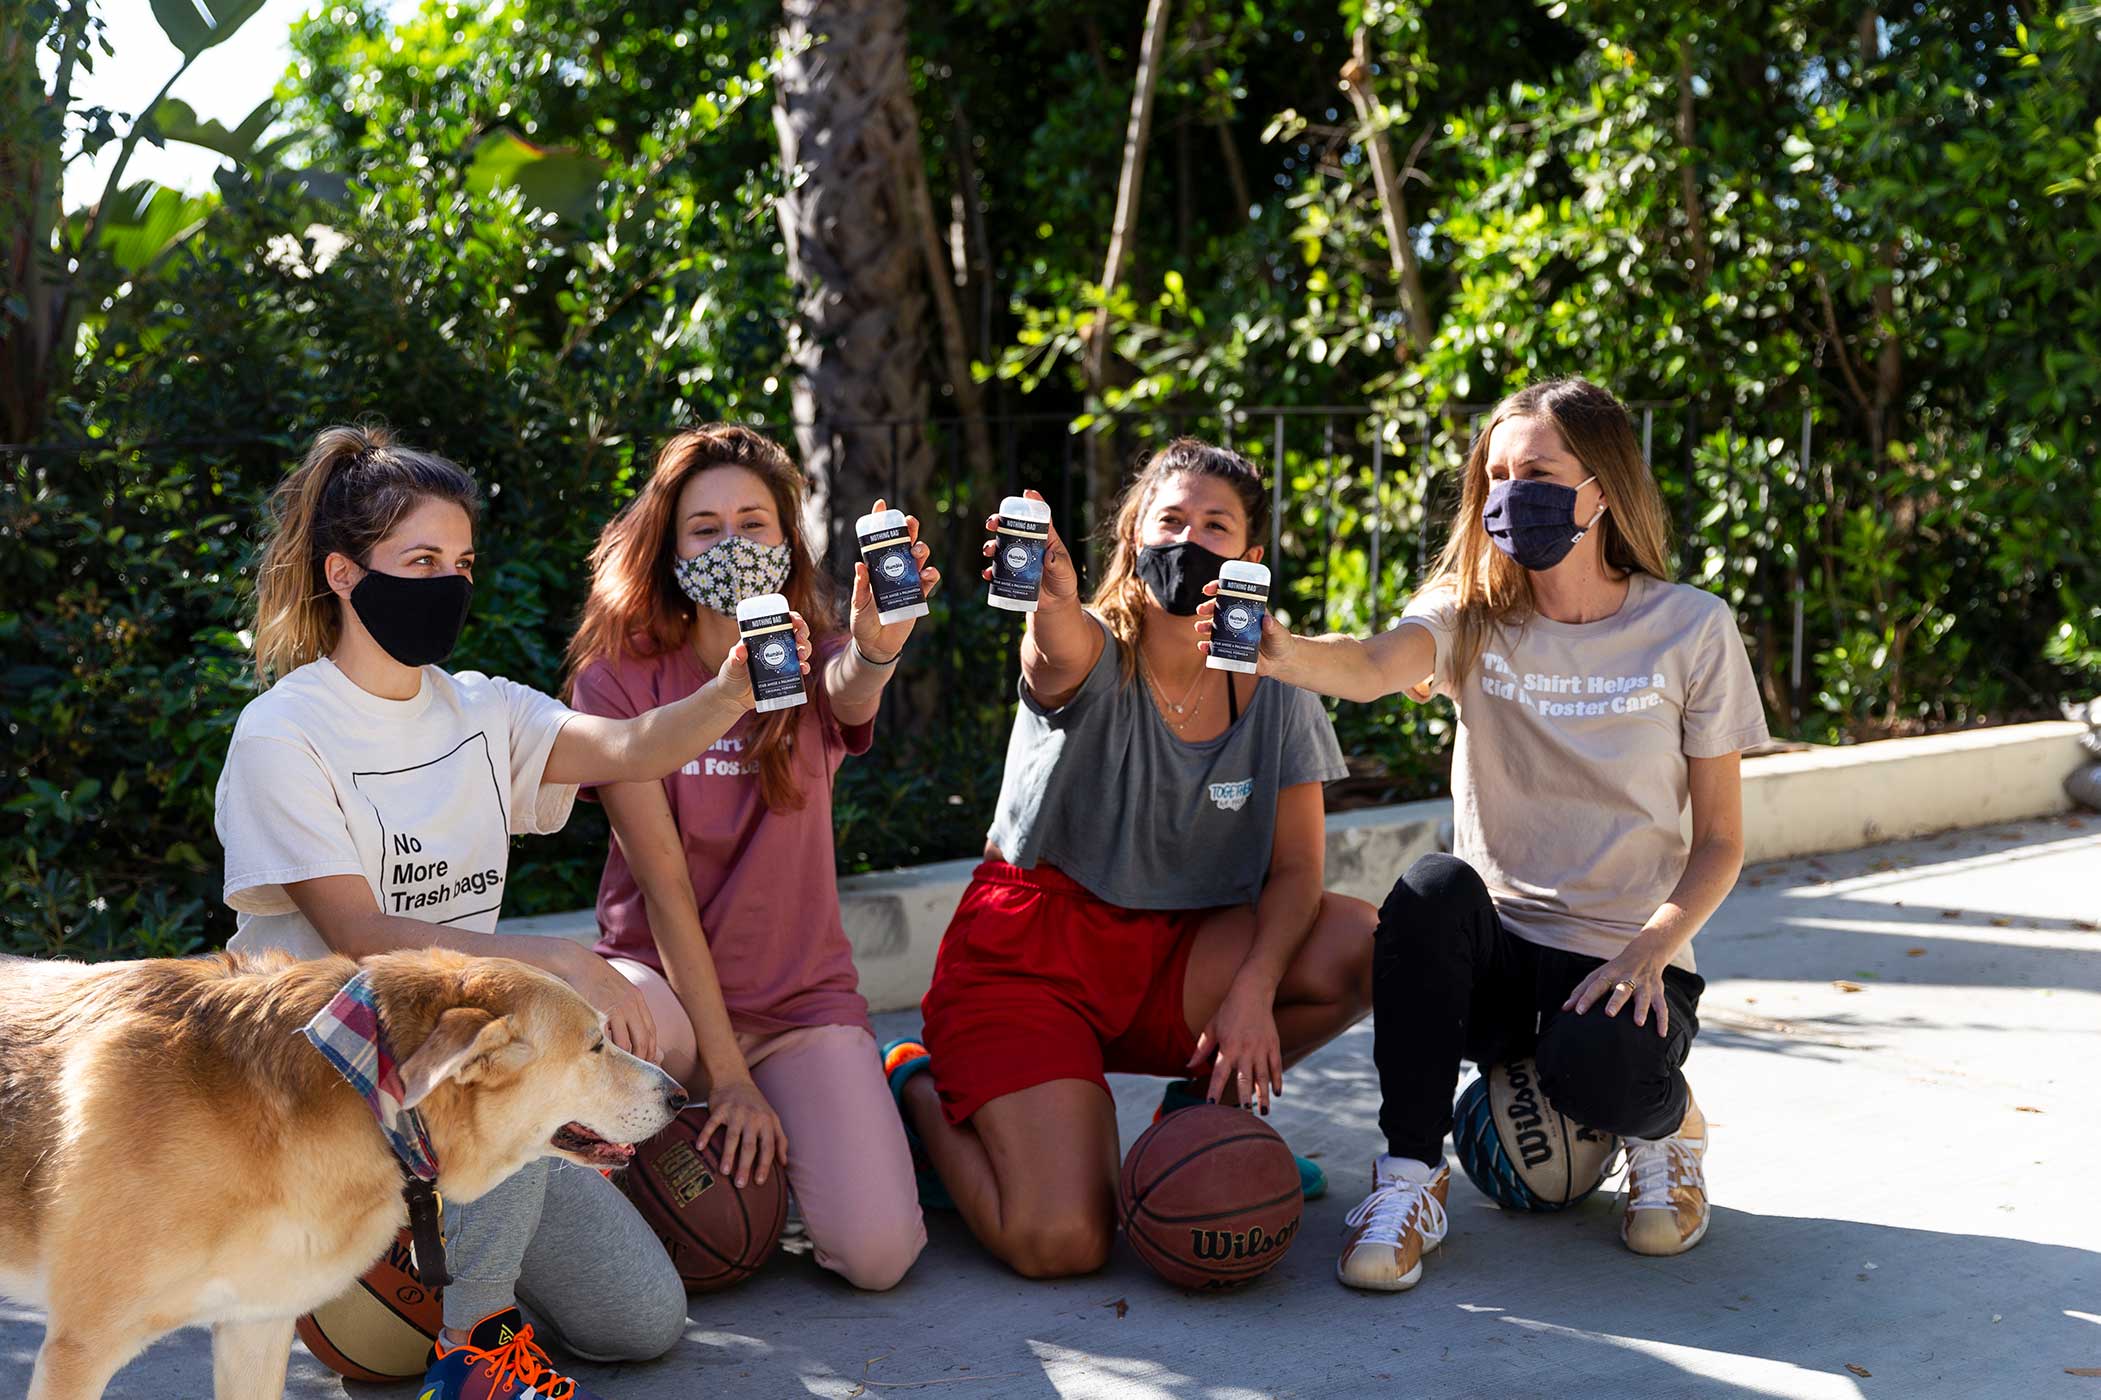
1192 710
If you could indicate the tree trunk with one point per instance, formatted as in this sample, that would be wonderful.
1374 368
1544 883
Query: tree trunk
1386 179
843 113
1105 473
941 280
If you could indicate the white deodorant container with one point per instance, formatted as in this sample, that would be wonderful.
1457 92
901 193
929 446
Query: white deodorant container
1021 536
893 574
1236 625
769 643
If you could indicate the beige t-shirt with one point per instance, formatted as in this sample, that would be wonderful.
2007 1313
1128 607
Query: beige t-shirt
1569 786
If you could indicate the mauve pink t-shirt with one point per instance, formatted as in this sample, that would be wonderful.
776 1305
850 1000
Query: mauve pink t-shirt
764 880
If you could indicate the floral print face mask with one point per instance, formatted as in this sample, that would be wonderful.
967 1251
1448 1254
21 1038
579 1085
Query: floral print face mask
725 574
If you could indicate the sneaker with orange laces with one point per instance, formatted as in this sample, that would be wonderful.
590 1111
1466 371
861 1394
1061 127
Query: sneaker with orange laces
498 1361
1666 1189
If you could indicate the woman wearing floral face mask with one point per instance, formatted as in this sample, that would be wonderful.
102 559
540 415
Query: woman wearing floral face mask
1597 701
719 899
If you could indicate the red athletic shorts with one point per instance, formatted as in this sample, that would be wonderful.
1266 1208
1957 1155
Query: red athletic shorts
1039 980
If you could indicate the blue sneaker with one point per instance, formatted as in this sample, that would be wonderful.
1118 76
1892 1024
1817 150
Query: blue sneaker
498 1361
1184 1093
901 1060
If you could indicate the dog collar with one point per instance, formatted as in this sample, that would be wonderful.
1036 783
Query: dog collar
347 1033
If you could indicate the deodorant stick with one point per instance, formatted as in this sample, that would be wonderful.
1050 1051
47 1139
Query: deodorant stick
886 548
1236 624
1017 556
769 642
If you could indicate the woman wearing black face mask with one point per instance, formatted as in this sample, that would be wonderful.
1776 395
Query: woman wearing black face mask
1597 700
1151 897
367 803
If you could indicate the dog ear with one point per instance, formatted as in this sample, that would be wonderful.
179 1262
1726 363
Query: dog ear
464 1043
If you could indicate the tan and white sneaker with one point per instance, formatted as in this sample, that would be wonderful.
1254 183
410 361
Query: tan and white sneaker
1665 1191
1395 1226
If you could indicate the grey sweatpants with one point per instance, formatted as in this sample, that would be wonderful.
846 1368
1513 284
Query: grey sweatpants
563 1243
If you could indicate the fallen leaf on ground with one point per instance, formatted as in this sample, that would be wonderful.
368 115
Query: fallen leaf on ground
2002 923
1951 913
1847 986
2083 1370
1858 1370
2087 924
1914 952
2025 1108
1121 1307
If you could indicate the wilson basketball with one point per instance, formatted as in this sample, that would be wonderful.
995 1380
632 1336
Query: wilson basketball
1210 1197
717 1236
1521 1151
382 1327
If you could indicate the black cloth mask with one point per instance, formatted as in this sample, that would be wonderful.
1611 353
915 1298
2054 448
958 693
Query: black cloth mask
416 621
1177 573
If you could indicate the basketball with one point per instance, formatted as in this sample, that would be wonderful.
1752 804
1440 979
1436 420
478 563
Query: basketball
382 1327
1210 1197
1519 1149
717 1236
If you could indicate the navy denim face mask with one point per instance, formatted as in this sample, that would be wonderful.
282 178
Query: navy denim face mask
1534 522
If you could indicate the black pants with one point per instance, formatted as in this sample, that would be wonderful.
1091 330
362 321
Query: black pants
1449 982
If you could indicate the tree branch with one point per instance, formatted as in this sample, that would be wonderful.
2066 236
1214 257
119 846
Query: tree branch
1688 176
1128 184
1393 203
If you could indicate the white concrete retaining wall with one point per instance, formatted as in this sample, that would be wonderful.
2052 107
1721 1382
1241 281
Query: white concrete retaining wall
1832 799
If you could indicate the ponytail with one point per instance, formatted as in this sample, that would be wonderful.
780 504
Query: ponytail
353 488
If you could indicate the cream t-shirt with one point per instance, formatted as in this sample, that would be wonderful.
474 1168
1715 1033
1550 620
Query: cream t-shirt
419 796
1569 779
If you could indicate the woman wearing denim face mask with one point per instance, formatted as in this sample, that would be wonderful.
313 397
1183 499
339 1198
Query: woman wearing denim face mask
1597 700
719 899
368 802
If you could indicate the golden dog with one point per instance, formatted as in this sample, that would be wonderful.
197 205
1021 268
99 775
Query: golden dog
173 1152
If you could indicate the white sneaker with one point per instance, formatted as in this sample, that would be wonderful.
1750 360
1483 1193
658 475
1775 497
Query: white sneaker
1395 1226
1665 1191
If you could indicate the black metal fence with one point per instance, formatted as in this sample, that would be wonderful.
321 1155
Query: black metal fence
1362 496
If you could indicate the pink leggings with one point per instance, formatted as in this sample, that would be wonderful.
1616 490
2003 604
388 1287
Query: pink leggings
848 1162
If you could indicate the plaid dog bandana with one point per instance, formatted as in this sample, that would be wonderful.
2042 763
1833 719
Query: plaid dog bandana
346 1032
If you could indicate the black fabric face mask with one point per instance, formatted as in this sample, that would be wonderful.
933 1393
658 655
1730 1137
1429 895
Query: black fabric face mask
416 621
1177 573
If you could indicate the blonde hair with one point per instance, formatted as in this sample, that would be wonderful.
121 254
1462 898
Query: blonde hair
1492 589
1120 599
352 489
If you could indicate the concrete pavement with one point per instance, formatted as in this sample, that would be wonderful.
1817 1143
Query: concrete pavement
1898 1054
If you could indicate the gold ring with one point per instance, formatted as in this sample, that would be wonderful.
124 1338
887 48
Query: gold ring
1623 986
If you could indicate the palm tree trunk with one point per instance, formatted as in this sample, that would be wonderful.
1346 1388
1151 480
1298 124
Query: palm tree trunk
843 113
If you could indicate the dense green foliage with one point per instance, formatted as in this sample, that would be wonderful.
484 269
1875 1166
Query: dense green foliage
545 237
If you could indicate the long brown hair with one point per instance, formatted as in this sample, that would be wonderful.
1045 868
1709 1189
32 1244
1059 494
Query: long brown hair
1489 586
637 609
354 487
1120 599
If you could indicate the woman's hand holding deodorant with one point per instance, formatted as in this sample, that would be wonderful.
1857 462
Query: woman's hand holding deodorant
1227 628
735 677
891 582
1029 567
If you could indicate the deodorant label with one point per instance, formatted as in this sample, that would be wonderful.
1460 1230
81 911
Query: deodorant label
1017 559
892 572
776 666
1236 627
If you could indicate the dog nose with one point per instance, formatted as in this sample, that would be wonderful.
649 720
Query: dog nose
675 1099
